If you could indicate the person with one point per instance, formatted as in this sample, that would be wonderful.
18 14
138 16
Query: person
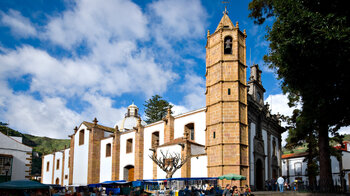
247 191
187 191
236 191
273 184
280 182
286 185
227 191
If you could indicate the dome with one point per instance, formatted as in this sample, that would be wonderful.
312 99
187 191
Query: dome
130 119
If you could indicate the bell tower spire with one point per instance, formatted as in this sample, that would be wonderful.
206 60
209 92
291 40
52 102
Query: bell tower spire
226 101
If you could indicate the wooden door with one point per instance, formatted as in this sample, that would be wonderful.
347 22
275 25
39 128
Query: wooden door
131 174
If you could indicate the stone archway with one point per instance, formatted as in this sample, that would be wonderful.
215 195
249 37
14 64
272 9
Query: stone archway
259 174
129 173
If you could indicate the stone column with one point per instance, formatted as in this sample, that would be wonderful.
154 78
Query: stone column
116 155
95 137
53 168
42 168
169 127
138 171
71 157
186 152
63 159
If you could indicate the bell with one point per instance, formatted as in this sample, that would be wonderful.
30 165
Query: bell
228 44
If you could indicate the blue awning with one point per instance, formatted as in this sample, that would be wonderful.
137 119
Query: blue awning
111 182
182 179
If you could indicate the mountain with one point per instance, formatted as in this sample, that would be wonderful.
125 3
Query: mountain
40 145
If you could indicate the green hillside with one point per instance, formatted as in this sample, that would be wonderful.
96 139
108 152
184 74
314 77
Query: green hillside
303 147
41 145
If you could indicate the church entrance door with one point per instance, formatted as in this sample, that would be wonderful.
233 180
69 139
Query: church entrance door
259 172
129 173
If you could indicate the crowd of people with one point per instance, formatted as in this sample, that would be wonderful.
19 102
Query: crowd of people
280 185
234 191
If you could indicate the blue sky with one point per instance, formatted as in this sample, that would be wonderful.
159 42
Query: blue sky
63 62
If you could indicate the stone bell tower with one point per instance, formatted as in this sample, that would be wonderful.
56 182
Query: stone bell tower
226 101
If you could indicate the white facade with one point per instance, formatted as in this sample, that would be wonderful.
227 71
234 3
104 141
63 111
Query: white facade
127 159
21 157
147 162
66 167
55 168
106 161
81 154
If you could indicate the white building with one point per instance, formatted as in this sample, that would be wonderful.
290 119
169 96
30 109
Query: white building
294 167
15 159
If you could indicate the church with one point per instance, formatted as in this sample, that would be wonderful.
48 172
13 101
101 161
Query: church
234 133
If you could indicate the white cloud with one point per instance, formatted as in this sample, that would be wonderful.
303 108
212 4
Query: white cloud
20 26
116 62
194 86
93 21
344 130
279 104
101 108
48 117
179 19
178 109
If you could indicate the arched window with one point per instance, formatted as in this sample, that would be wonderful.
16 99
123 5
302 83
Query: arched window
155 139
57 181
228 45
108 150
129 146
81 137
189 128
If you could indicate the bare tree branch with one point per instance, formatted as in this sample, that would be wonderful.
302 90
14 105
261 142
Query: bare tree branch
169 162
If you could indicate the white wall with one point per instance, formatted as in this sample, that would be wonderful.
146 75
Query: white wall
346 159
264 135
47 175
10 146
58 172
251 160
106 162
199 166
147 144
198 118
292 171
81 153
176 149
66 168
126 158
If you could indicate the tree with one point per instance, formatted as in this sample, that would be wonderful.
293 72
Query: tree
301 132
156 109
169 162
309 50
